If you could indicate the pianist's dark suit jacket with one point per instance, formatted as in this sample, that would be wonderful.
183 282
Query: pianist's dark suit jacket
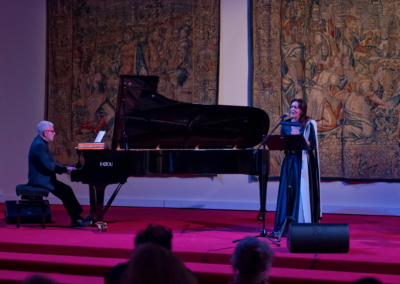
42 168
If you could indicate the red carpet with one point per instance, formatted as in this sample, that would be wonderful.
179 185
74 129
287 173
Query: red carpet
202 239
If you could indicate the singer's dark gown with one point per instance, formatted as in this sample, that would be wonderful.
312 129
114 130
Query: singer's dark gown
289 184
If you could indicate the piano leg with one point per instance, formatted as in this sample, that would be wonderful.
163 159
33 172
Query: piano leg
96 204
92 196
263 201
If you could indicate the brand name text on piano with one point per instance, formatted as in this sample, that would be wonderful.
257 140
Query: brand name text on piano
106 164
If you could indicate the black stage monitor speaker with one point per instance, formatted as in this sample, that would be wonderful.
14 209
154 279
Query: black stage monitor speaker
28 215
330 238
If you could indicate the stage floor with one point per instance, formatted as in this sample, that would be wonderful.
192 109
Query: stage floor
205 236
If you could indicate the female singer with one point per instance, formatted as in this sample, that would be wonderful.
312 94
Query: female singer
299 194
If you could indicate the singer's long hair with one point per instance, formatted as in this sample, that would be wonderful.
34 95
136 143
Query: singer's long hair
303 107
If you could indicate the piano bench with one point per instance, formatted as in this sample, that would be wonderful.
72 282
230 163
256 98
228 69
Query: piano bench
31 198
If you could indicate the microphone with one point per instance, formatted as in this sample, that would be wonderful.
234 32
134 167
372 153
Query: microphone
284 116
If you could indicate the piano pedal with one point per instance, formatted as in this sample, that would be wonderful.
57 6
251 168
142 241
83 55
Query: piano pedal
102 227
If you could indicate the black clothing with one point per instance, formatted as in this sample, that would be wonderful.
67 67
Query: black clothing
68 198
113 276
42 173
42 168
288 203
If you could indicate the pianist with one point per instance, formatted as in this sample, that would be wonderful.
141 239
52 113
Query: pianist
43 170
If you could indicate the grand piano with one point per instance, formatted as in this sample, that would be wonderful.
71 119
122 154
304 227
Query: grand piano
155 136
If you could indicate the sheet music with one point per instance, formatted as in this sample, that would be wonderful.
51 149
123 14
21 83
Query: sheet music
99 136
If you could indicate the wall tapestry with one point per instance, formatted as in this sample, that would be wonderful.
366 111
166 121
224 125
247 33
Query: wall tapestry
92 42
343 58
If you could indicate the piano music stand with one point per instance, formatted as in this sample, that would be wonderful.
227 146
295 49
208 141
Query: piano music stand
287 143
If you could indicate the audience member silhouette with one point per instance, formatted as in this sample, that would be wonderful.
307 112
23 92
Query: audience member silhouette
368 280
155 234
252 261
38 279
154 264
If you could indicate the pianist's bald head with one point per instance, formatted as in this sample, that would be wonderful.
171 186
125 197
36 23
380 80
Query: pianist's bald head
44 125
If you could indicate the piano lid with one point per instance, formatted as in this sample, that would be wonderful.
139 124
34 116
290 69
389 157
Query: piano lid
153 120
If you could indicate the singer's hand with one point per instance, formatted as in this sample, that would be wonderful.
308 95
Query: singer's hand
295 132
308 143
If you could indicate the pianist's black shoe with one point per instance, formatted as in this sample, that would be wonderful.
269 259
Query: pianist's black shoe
80 222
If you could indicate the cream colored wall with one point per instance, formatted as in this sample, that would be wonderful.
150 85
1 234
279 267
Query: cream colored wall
22 87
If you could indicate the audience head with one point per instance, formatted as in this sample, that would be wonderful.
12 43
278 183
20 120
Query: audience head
368 280
252 259
38 279
155 234
154 264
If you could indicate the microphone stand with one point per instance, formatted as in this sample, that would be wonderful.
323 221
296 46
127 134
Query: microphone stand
263 187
